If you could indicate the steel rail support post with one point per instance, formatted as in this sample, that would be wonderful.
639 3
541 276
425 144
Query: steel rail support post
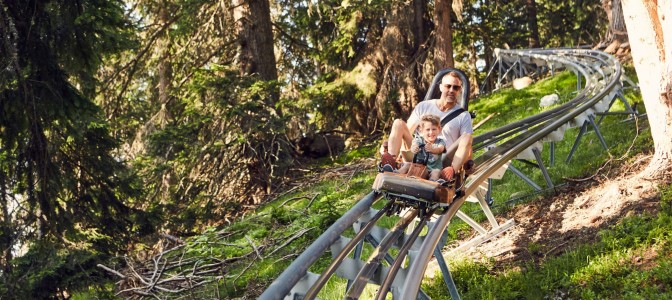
390 260
381 251
537 155
628 109
357 254
552 154
447 277
500 74
591 120
578 81
625 103
488 193
487 76
524 178
604 114
582 131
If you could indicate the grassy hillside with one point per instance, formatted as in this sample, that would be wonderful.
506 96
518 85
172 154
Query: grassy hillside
244 257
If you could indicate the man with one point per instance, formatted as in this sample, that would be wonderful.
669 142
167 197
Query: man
458 130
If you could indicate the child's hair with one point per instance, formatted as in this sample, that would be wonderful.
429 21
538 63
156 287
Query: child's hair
432 119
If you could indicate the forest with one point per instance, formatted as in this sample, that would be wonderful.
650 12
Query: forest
127 120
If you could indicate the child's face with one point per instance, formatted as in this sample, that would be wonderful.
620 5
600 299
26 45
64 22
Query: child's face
429 131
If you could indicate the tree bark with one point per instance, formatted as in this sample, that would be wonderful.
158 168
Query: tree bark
443 49
420 25
395 63
255 38
649 26
617 34
532 26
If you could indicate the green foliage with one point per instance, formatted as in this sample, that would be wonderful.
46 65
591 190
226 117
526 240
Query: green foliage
226 143
59 178
332 33
47 270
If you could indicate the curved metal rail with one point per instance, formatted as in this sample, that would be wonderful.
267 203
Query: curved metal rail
601 74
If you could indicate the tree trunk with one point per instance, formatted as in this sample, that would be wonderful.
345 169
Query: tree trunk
255 38
420 25
443 49
395 64
531 8
165 72
650 30
616 33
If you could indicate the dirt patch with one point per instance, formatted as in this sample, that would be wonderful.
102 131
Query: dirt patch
548 226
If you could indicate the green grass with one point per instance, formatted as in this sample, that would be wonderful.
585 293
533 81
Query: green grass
631 260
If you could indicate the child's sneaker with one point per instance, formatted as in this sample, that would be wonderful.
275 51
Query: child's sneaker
387 163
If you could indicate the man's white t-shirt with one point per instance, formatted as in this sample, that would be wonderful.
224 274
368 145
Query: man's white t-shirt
453 129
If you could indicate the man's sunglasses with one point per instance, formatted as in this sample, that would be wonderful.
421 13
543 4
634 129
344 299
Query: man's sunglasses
455 88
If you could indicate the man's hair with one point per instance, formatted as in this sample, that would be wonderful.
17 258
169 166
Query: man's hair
432 119
453 74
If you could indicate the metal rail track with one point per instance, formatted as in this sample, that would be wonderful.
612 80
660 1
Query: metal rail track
601 74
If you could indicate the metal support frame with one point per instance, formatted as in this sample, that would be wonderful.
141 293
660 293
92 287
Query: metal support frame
447 277
524 178
628 109
488 193
582 131
578 80
584 128
350 267
485 235
537 155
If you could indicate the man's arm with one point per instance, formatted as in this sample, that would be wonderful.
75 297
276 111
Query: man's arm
463 152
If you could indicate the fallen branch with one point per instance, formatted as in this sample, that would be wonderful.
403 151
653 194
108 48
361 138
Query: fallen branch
311 202
484 120
110 270
291 239
172 238
254 247
292 199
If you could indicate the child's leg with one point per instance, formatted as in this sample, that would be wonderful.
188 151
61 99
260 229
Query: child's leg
434 174
404 168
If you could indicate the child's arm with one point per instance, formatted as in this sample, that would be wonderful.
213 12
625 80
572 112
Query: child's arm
435 148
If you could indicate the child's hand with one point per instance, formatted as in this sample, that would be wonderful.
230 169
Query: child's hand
429 146
415 148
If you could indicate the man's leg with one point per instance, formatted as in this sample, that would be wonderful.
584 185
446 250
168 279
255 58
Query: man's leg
459 155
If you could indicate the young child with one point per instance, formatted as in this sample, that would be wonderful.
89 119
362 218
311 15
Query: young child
434 145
